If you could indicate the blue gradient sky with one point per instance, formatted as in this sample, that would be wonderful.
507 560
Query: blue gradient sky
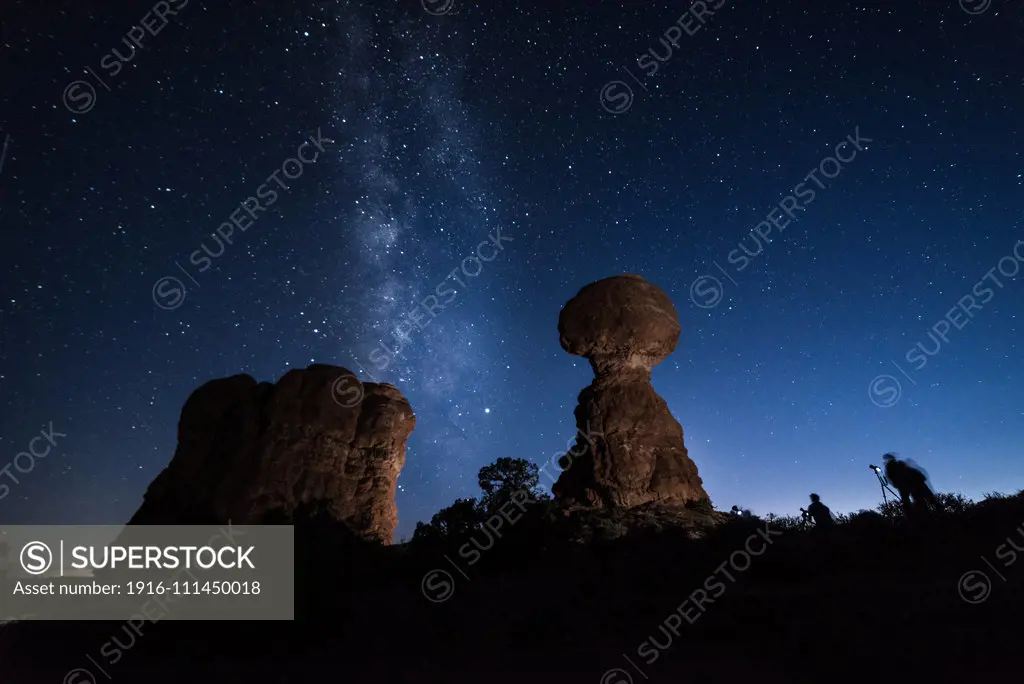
448 127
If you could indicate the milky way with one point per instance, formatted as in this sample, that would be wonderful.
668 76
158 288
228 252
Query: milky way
417 203
526 151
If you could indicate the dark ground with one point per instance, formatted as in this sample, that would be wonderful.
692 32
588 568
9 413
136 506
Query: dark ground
875 599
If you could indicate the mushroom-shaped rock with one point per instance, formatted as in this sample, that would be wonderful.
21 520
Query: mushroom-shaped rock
318 439
620 323
630 449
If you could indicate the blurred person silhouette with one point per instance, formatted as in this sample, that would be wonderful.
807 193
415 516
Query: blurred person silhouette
927 480
911 481
820 513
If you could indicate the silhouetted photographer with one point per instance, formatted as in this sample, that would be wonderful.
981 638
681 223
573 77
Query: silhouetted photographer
912 484
818 512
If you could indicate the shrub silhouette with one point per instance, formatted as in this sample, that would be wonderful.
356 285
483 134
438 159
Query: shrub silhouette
452 523
503 483
503 478
953 503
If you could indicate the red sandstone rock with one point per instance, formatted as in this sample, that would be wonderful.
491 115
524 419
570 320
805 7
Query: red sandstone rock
635 455
319 437
618 324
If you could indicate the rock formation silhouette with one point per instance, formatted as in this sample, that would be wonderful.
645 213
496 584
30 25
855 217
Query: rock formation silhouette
256 452
630 450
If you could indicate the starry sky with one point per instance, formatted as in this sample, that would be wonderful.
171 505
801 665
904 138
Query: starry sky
597 138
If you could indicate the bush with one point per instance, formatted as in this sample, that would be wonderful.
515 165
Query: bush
954 504
785 522
452 523
504 481
505 477
891 510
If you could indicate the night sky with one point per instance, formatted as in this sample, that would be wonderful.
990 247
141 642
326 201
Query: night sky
438 125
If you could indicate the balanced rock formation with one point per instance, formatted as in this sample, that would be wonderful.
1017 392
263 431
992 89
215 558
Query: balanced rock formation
630 450
257 453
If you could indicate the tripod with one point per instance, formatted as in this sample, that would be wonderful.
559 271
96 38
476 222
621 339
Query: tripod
884 484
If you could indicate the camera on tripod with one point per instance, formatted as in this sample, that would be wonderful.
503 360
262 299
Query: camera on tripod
883 482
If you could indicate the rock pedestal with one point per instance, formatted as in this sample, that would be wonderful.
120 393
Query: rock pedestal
254 452
635 453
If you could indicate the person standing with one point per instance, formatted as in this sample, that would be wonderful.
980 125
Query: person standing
912 484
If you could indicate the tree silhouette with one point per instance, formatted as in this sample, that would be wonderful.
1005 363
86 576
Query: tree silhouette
513 474
506 477
504 481
454 522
